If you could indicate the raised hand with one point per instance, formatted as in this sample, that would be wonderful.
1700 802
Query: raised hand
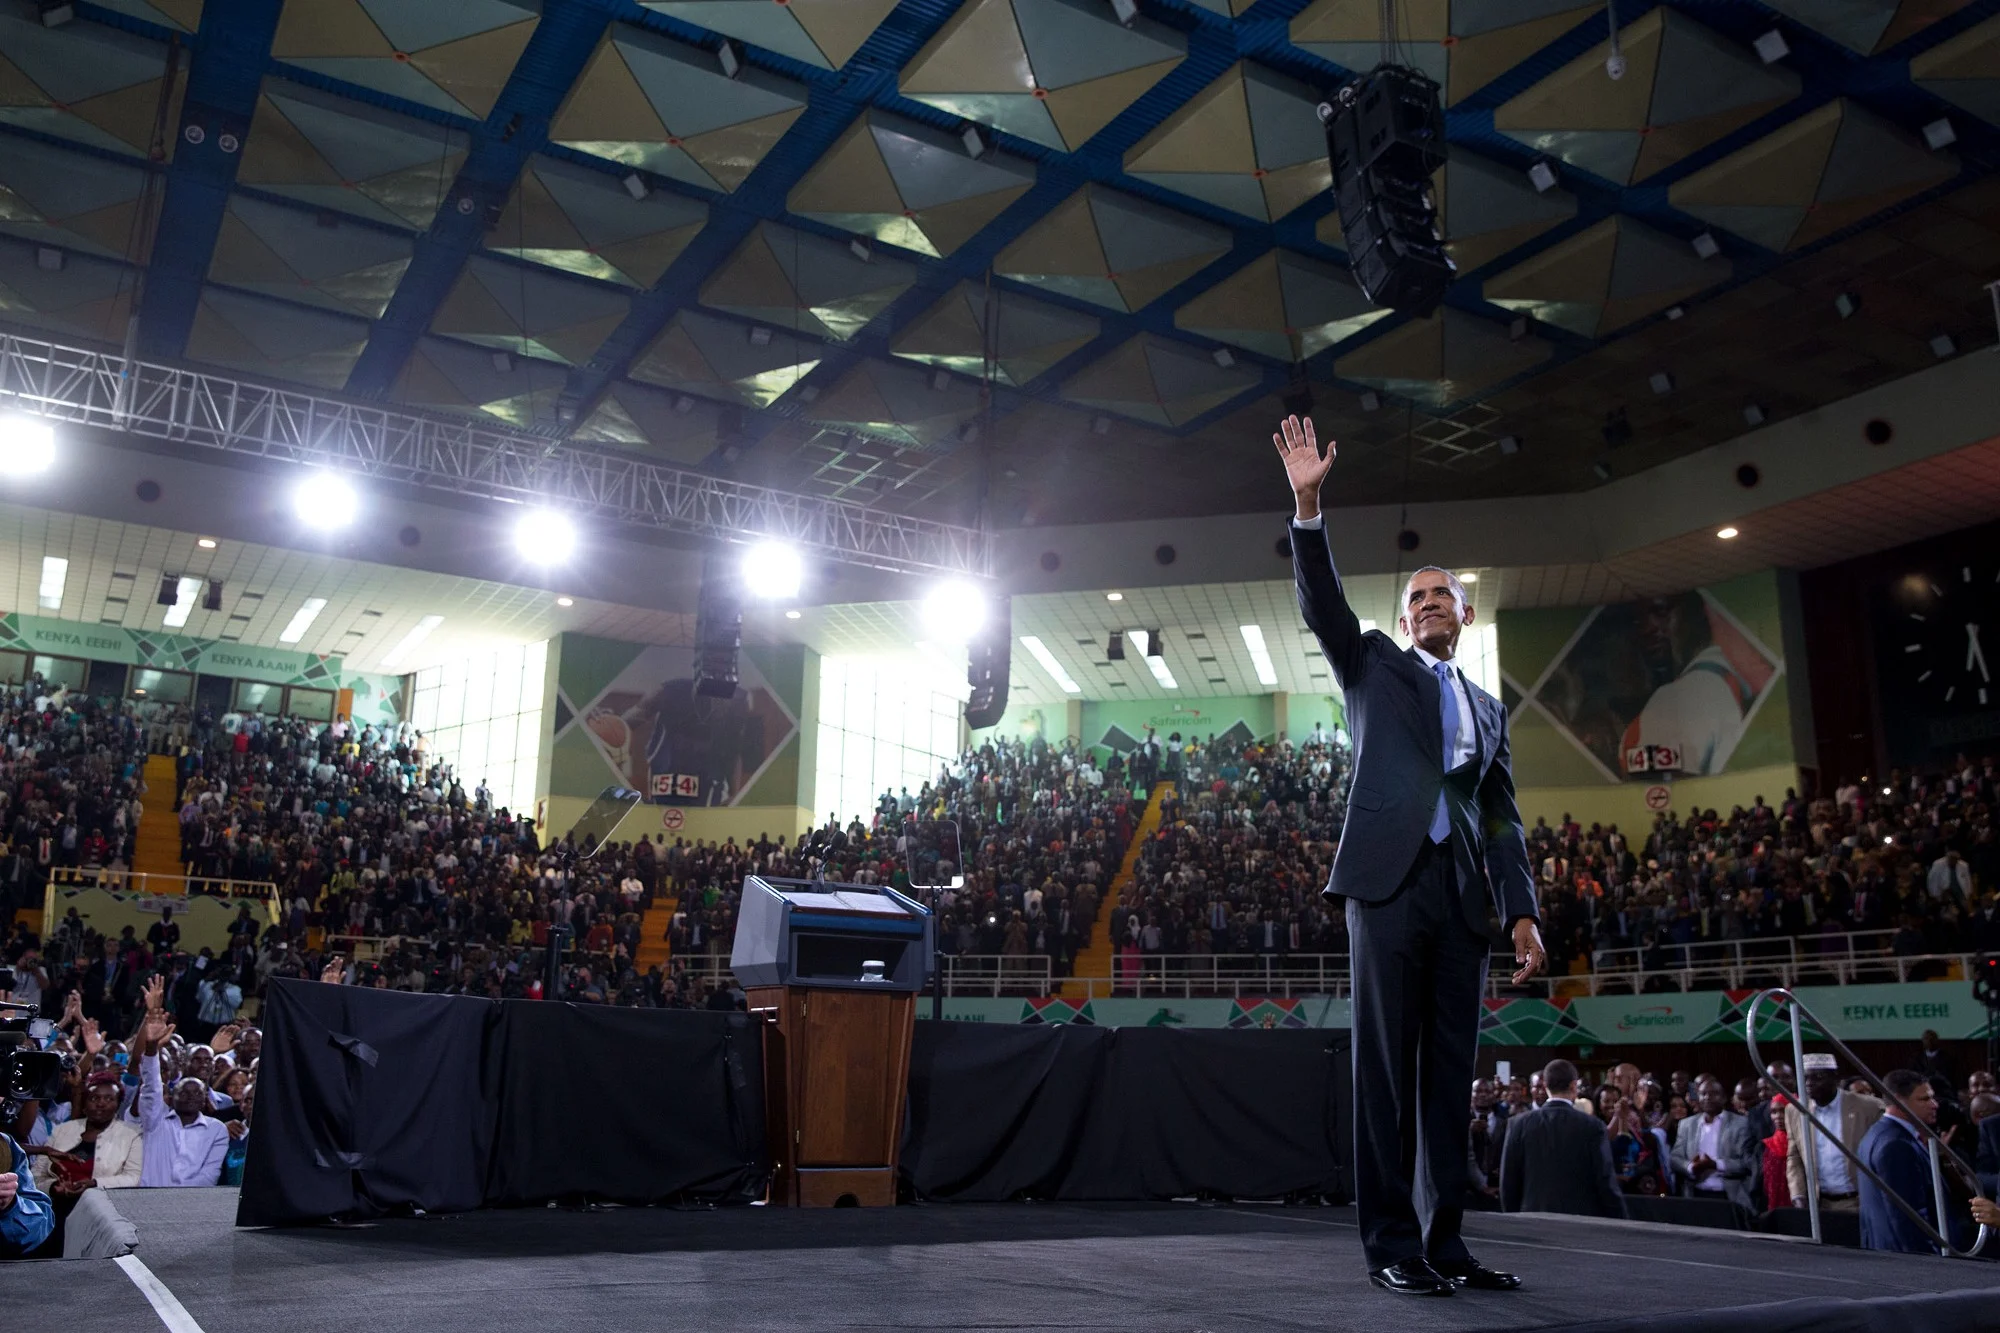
155 990
154 1032
93 1040
1305 469
333 971
225 1037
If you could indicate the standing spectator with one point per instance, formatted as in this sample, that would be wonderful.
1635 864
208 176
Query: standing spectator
1849 1115
1557 1159
1489 1134
183 1145
1714 1154
1777 1189
1894 1150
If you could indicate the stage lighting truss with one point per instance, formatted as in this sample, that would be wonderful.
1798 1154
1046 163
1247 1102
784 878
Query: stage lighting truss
62 382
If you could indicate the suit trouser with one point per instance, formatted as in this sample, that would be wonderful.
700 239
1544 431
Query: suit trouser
1419 975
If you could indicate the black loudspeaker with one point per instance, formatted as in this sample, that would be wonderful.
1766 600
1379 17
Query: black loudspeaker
991 654
718 630
1385 139
212 599
169 590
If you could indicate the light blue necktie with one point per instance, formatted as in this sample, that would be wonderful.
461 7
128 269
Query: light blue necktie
1448 708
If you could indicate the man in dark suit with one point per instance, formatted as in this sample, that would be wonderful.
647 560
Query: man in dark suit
1894 1150
1986 1152
1433 846
1557 1158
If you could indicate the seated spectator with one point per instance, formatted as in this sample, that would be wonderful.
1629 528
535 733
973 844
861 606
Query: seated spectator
97 1148
1557 1159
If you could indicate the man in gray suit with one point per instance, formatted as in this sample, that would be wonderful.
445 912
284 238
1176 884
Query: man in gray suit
1557 1159
1714 1155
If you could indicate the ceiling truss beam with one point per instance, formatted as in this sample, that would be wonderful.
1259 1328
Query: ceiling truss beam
251 420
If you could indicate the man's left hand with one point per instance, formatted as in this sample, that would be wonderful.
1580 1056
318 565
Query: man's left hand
1528 950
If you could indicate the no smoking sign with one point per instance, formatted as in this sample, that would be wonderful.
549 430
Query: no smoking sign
672 819
1658 796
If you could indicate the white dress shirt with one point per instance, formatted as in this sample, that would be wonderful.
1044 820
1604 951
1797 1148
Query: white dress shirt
1836 1175
176 1153
1708 1143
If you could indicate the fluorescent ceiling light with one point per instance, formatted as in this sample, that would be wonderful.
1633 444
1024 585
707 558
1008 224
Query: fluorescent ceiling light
418 633
1040 652
1157 664
302 620
55 573
185 593
1260 656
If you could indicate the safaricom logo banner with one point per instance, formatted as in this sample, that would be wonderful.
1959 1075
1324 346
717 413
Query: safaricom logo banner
1652 1017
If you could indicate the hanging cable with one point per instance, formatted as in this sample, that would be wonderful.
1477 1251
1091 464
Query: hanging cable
1614 64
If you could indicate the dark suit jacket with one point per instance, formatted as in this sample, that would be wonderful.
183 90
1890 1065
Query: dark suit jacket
1558 1160
1394 716
1891 1151
1986 1160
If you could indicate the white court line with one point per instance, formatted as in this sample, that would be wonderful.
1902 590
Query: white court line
165 1304
1572 1249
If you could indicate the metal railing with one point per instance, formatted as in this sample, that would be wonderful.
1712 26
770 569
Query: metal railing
1732 964
1800 1016
1187 976
140 881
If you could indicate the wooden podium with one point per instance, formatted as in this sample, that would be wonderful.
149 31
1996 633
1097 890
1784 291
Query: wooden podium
834 971
836 1071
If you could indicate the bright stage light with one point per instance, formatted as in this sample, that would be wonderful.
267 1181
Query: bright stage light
325 501
954 610
773 571
27 445
545 537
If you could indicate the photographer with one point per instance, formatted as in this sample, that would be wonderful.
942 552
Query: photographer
26 1215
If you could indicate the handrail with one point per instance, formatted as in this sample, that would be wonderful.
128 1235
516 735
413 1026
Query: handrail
1811 1159
152 882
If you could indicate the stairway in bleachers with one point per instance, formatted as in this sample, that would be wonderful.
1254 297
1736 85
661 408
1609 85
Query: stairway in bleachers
159 845
1097 957
653 946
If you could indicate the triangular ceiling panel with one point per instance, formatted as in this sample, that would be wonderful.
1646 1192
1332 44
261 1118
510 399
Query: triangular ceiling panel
1283 306
337 153
699 353
1867 26
1112 249
317 258
826 33
529 311
1965 70
1054 71
79 201
1028 337
1158 381
276 340
649 102
584 221
1831 168
671 427
901 403
451 57
909 185
1443 359
1249 142
1463 44
1606 277
87 297
806 283
87 82
452 377
1685 87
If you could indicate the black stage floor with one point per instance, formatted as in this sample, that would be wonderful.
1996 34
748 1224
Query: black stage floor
1019 1267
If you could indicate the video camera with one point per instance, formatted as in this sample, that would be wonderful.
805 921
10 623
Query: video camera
27 1073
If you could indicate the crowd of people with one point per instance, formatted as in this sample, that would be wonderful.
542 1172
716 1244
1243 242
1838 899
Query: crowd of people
1234 872
1556 1141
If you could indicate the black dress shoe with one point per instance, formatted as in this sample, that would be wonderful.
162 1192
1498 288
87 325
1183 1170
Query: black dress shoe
1478 1276
1411 1277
